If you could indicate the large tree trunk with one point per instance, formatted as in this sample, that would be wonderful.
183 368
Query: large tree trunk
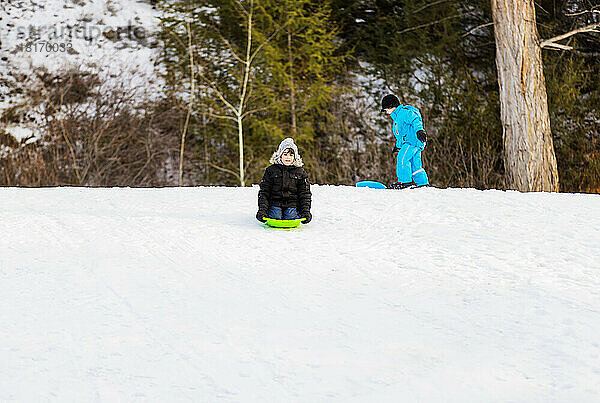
529 157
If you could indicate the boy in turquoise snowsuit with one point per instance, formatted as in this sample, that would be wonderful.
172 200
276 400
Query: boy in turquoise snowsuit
407 127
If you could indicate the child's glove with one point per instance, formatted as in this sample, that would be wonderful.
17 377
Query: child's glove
422 136
307 216
395 150
260 216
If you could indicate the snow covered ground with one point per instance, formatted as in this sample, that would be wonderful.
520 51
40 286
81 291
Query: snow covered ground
180 295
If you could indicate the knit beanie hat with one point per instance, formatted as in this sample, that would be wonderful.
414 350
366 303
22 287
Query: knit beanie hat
284 145
389 101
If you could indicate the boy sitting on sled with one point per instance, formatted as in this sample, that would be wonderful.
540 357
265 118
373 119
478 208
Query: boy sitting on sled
284 189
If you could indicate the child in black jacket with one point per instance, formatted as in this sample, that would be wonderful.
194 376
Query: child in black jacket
284 189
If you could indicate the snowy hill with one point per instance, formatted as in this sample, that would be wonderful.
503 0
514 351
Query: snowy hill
111 38
387 296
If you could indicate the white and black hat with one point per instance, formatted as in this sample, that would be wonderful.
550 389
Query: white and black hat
284 145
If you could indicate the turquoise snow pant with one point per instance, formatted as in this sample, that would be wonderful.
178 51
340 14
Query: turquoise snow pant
409 166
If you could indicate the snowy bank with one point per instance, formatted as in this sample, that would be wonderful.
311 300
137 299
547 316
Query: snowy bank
181 295
111 38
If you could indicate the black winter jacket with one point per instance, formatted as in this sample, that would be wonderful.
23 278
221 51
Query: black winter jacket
285 186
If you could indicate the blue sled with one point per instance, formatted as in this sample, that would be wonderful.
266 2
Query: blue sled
370 184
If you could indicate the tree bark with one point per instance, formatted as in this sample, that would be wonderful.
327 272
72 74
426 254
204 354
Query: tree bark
191 105
529 157
240 110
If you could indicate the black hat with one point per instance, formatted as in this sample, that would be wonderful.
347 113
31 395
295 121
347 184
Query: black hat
389 101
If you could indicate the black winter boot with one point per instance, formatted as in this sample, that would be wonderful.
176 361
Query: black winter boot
400 185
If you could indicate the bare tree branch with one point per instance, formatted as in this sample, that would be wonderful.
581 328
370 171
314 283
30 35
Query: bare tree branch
267 41
229 45
429 24
476 28
189 113
242 8
219 94
435 3
552 41
558 46
62 124
221 116
235 55
583 12
229 171
64 132
176 37
255 110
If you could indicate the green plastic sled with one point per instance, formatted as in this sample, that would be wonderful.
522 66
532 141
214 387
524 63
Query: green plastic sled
272 222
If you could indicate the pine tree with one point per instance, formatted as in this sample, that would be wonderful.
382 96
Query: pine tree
304 62
271 79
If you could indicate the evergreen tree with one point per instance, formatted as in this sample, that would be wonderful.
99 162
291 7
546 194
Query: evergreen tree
284 90
305 63
229 38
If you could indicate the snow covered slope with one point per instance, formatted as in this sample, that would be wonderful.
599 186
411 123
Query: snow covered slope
113 38
387 296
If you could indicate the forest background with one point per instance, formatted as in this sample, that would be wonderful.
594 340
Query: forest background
243 75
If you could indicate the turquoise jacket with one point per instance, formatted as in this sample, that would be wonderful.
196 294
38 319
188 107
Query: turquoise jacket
407 122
